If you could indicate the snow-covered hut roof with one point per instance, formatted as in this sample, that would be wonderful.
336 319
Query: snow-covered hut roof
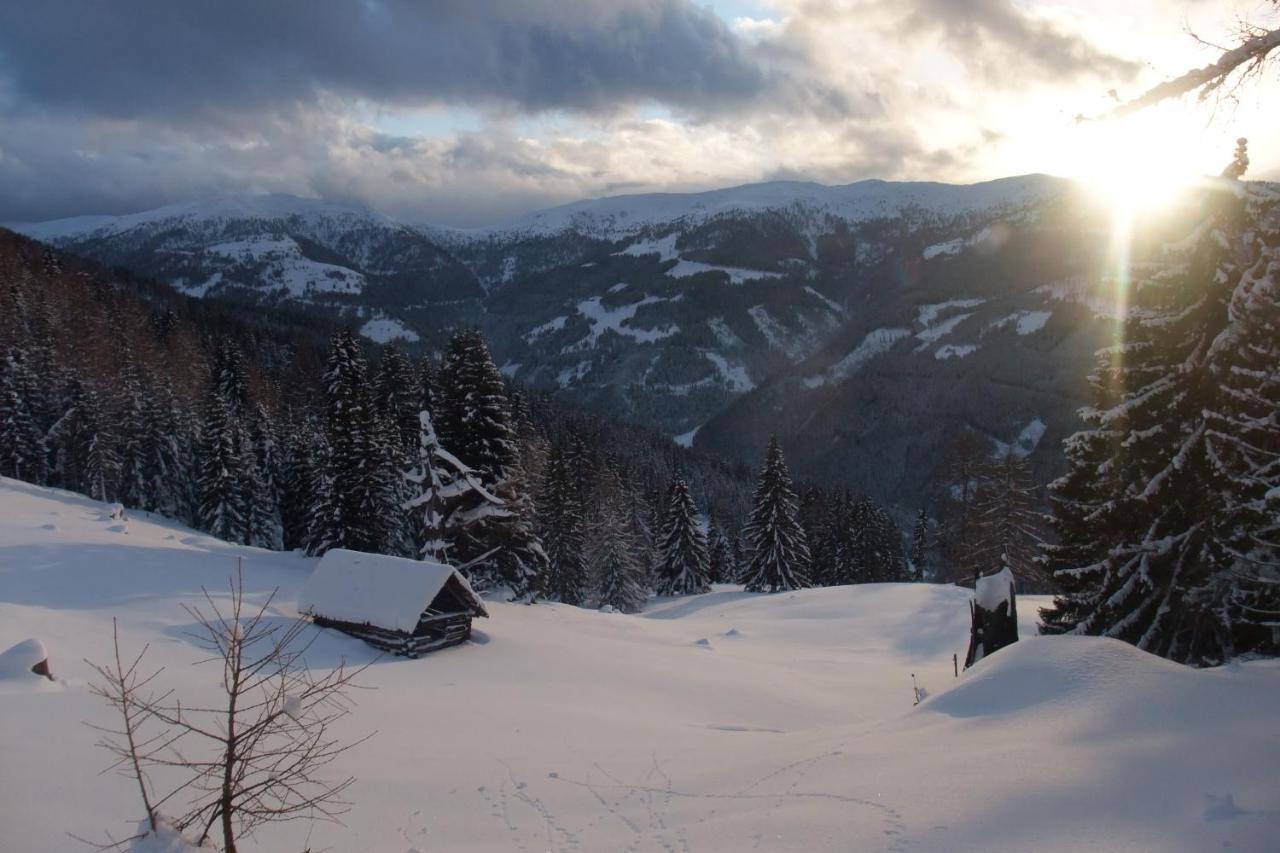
374 589
989 591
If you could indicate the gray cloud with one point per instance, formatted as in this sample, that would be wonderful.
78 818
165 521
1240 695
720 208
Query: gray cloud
200 58
115 107
1003 43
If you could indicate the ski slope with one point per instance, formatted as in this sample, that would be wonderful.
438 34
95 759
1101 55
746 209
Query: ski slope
721 722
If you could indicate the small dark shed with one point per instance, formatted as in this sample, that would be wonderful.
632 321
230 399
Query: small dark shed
406 607
995 616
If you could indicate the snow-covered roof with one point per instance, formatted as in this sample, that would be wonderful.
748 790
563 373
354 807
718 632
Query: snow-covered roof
388 592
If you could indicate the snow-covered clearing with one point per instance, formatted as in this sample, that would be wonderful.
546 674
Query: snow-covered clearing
617 320
737 275
555 324
736 376
939 330
824 299
383 330
720 722
926 314
685 439
665 249
285 266
873 344
778 336
947 351
1083 292
1025 322
1027 440
723 333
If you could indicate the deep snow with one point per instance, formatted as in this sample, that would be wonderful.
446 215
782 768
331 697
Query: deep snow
722 722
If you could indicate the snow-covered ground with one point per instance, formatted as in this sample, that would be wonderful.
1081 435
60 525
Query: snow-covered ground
721 722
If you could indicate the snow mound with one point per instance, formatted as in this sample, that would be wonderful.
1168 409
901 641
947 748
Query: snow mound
1077 675
17 660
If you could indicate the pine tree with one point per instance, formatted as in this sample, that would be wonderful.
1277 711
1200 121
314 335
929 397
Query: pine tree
437 484
611 554
920 547
721 567
964 457
1007 524
474 418
23 454
221 479
562 530
134 436
779 552
166 470
231 378
360 505
1243 431
400 397
494 548
682 551
1149 542
92 449
264 527
303 481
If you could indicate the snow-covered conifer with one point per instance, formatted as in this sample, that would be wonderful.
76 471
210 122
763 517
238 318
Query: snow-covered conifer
562 530
779 553
683 563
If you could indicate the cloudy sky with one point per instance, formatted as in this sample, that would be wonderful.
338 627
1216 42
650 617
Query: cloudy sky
467 112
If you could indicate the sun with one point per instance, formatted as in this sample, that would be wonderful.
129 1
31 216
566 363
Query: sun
1132 167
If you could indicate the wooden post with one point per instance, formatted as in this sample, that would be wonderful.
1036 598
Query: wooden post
955 664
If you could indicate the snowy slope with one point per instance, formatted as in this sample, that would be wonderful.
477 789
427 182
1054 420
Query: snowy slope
722 722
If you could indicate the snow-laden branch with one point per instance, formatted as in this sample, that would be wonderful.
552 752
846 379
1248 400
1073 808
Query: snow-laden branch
1252 51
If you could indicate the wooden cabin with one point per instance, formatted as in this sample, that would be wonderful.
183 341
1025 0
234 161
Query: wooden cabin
406 607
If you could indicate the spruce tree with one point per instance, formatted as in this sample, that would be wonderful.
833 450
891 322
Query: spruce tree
91 446
221 479
494 548
400 397
779 553
1243 430
264 527
438 486
23 454
1149 542
721 567
134 436
562 529
612 553
360 508
919 555
302 484
683 563
166 471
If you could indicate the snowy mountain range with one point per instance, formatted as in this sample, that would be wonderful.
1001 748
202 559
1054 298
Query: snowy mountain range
862 321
